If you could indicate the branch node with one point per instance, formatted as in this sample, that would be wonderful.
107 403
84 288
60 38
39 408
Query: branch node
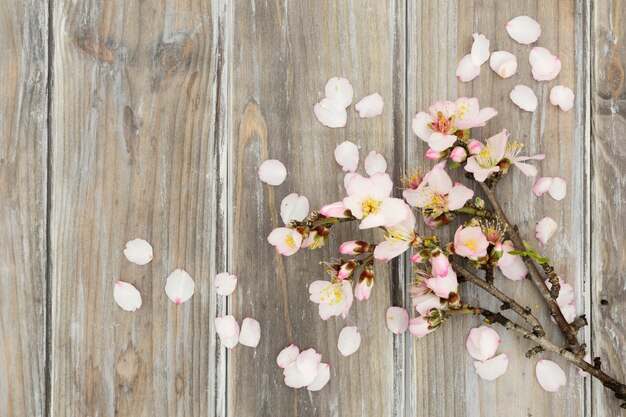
532 352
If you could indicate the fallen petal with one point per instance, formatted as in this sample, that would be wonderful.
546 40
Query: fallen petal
524 97
375 163
397 319
138 251
550 375
347 155
126 296
339 90
250 332
225 283
503 63
480 49
558 189
322 378
330 113
524 29
492 368
482 343
294 207
287 356
419 327
349 340
272 172
370 106
295 378
466 70
227 329
545 229
541 186
562 96
179 286
545 66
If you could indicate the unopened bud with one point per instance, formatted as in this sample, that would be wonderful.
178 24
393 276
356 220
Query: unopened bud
458 154
474 146
354 247
433 154
346 270
363 288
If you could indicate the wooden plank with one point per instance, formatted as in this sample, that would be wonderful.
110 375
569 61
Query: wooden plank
437 41
283 54
138 150
23 199
608 190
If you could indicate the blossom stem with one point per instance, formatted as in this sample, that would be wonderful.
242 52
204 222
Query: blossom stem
473 211
535 275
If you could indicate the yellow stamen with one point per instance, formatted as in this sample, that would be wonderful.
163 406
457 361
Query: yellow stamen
290 242
471 244
370 206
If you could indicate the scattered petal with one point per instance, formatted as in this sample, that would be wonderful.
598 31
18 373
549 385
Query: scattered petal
545 66
287 356
492 368
330 113
303 370
179 286
340 90
482 343
466 70
562 96
558 189
397 319
524 97
250 332
503 63
524 29
419 327
321 379
480 49
545 229
225 283
138 251
126 296
375 163
347 155
370 106
541 186
294 207
550 375
349 340
227 329
272 172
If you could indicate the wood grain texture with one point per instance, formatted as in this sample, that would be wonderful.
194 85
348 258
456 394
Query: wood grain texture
283 54
441 363
23 197
137 151
608 204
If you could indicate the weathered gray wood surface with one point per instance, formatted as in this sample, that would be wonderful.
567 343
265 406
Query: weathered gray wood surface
159 115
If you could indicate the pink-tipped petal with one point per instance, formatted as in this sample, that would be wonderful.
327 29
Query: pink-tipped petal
562 96
503 63
545 229
349 340
480 49
419 327
397 319
250 332
330 113
179 286
225 283
541 186
227 329
550 375
492 368
272 172
482 343
295 378
544 65
524 97
370 106
287 356
375 163
126 296
347 155
363 289
340 90
294 207
524 29
138 251
321 379
558 189
334 210
466 70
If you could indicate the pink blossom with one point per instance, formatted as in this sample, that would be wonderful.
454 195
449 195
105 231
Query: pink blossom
458 154
433 155
349 340
424 300
511 266
443 286
550 375
363 289
492 368
419 327
470 242
334 299
398 239
545 229
370 106
482 343
397 319
524 29
440 264
285 240
474 146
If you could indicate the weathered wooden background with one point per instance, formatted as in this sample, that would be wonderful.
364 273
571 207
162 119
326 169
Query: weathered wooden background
123 119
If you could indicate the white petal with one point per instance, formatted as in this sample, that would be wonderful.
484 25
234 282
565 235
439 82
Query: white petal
272 172
524 97
250 332
558 189
503 63
227 329
466 70
295 378
308 361
524 29
294 207
420 125
330 113
225 283
322 378
349 340
179 286
347 155
492 368
545 229
562 96
480 49
138 251
375 163
397 319
287 356
126 296
541 186
545 66
482 342
340 90
370 106
550 375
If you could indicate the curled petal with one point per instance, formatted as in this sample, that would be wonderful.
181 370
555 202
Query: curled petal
389 249
512 266
524 97
545 66
443 286
227 329
272 172
179 286
558 189
482 343
419 327
294 207
287 356
340 90
126 296
375 163
458 196
397 320
545 229
524 29
492 368
138 251
503 63
321 379
225 283
250 332
562 96
349 340
330 113
541 186
466 70
347 155
370 106
480 49
550 375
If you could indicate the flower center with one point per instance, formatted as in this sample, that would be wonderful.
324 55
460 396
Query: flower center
370 206
471 244
332 294
442 124
485 158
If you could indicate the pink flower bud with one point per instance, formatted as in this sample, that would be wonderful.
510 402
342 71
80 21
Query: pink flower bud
458 154
349 248
363 289
432 154
419 327
417 257
498 249
333 210
346 270
474 146
440 264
